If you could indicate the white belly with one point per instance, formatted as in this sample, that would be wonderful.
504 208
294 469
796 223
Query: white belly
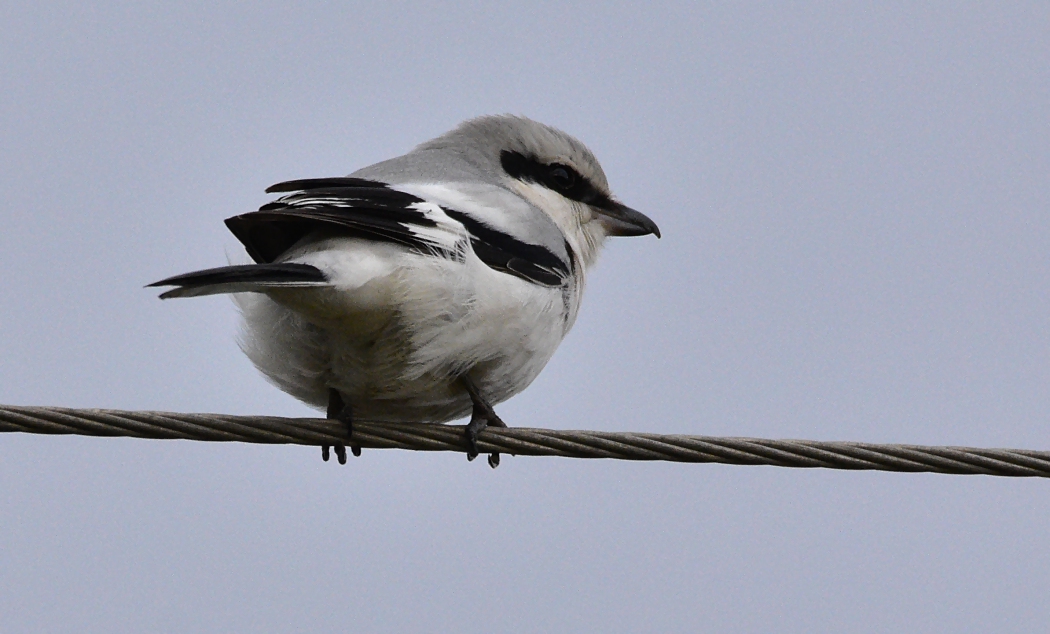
394 339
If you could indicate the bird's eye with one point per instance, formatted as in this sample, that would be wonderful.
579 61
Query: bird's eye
561 177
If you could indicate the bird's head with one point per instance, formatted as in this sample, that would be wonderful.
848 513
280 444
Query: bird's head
552 170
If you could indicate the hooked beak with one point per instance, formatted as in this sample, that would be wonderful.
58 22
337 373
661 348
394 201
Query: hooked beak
621 220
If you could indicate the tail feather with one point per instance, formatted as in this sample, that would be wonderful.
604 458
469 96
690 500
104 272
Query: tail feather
243 278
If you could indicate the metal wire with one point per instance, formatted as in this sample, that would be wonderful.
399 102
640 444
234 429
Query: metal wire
528 442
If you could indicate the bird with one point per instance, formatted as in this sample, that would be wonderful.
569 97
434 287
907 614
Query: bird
426 287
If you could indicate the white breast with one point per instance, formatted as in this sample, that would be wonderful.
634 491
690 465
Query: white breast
398 328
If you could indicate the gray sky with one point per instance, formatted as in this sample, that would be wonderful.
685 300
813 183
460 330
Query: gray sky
854 208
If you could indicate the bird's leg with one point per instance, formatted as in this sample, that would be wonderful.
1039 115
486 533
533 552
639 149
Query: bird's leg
339 410
482 416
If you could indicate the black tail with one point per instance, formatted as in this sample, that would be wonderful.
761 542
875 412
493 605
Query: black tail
243 278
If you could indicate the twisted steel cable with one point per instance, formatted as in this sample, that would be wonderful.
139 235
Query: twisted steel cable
528 442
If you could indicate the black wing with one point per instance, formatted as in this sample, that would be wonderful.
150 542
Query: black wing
351 206
371 209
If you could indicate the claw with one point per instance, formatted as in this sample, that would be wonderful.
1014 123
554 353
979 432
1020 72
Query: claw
338 410
476 424
481 417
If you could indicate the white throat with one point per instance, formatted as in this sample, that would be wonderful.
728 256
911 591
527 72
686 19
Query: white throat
577 222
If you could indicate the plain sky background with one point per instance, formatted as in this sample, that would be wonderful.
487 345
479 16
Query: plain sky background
854 202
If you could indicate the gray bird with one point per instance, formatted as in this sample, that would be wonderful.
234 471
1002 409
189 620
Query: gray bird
428 286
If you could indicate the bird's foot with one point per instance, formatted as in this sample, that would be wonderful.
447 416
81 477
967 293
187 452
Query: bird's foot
479 420
338 410
481 417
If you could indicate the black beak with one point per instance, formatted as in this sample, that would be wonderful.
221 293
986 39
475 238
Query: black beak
621 220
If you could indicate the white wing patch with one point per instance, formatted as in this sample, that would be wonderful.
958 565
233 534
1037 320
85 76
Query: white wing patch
447 236
496 207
